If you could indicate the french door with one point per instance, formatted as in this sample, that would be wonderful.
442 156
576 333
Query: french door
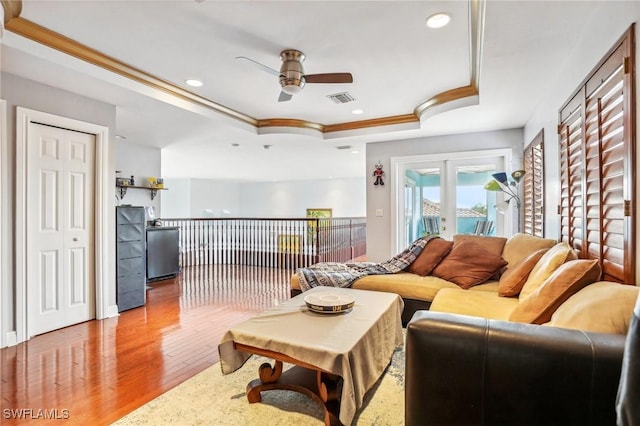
444 195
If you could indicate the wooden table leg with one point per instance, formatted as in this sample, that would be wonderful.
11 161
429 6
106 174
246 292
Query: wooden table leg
320 386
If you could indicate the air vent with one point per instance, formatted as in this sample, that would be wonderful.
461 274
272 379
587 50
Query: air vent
344 147
341 98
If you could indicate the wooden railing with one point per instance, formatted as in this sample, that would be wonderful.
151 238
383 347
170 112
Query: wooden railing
276 243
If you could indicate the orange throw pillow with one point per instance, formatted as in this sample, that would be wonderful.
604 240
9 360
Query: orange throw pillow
468 264
430 256
513 279
568 279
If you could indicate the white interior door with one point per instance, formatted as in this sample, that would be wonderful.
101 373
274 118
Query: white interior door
60 228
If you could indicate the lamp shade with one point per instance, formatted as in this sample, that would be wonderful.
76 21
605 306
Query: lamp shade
502 207
493 185
500 177
517 175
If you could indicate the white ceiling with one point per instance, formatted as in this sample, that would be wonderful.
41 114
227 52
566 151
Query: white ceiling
396 61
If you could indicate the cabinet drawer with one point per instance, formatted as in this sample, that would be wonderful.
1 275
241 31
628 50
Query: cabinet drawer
131 232
127 249
129 215
131 283
130 300
131 266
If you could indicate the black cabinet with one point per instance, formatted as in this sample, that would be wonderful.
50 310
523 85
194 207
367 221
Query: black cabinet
130 255
163 254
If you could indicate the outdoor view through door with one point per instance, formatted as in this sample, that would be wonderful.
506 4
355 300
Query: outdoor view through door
448 197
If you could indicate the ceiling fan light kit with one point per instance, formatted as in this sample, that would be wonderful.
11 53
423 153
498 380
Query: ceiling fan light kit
291 73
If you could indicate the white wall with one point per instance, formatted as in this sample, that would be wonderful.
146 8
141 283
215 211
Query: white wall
18 91
346 197
613 19
176 200
142 162
187 198
379 197
215 196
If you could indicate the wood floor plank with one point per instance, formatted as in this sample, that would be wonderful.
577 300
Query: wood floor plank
99 371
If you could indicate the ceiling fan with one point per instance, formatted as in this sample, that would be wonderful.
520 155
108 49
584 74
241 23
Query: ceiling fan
292 76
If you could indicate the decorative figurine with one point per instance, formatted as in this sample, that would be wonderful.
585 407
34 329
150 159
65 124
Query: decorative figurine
378 173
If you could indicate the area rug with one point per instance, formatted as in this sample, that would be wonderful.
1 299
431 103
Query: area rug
210 398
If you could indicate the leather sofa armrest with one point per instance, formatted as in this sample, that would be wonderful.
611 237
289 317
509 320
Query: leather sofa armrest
470 370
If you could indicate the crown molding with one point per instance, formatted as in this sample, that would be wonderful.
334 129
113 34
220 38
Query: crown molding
438 103
57 41
12 9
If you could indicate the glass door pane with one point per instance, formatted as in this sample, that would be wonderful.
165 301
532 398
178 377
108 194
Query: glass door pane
422 200
475 207
431 220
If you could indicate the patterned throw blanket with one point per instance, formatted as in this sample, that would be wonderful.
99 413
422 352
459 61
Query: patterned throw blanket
335 274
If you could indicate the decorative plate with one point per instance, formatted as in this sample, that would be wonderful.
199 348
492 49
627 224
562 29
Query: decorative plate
328 302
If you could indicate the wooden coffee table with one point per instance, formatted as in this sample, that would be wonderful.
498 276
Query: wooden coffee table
336 358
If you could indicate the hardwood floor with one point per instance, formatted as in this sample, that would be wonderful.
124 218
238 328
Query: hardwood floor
96 372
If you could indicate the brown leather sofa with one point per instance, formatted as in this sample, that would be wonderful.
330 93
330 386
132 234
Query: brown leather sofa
628 401
463 370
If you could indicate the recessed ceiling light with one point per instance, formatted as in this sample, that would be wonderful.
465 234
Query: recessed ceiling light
355 152
194 83
438 20
120 137
357 111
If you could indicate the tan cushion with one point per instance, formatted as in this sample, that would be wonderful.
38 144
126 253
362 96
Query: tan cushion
487 286
494 245
565 281
435 250
409 286
295 282
602 307
515 276
548 263
476 303
468 264
521 245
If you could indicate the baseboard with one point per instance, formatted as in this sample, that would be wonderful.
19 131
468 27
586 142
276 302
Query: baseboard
112 311
10 339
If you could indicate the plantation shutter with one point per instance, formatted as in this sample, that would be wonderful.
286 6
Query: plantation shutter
533 185
596 156
571 173
604 157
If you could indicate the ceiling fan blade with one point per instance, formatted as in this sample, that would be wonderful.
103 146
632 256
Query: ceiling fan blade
262 66
336 77
284 97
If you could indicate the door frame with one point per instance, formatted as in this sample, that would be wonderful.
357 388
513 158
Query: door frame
102 207
3 152
399 165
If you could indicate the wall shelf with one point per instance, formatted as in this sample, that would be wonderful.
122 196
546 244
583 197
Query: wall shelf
152 191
